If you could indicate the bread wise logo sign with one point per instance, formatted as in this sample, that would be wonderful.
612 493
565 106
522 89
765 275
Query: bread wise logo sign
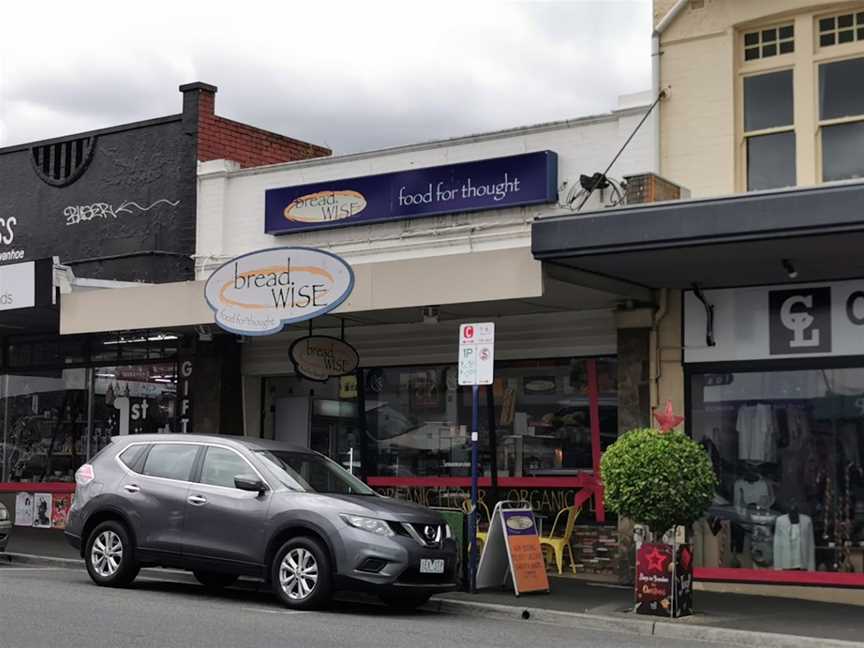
259 293
325 206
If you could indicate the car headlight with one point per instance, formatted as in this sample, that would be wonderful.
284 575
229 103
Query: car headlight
372 525
4 514
448 532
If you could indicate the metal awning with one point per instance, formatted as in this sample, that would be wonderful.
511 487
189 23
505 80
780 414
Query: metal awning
721 242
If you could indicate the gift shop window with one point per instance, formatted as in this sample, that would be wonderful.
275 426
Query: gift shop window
63 398
786 446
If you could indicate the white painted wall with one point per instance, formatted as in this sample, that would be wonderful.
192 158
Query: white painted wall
231 201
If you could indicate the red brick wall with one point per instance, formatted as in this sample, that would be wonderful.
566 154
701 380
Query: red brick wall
225 139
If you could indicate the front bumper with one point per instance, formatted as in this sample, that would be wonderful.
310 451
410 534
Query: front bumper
5 531
395 563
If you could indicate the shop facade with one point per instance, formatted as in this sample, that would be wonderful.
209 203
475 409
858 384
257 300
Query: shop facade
765 317
436 235
86 213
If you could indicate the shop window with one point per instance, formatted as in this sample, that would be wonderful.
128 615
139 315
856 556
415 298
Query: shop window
419 419
133 399
44 425
768 42
788 450
841 119
844 28
769 130
415 421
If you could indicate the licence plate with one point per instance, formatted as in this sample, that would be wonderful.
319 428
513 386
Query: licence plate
431 566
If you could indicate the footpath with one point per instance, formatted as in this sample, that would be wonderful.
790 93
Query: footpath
729 619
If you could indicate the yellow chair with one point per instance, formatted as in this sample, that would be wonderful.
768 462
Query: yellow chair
481 535
559 544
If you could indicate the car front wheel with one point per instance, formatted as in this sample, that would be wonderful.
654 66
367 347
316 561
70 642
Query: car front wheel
109 556
301 574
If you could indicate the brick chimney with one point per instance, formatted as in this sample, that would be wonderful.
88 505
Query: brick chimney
199 100
219 138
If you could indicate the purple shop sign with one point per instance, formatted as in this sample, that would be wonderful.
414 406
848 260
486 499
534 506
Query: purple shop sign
526 179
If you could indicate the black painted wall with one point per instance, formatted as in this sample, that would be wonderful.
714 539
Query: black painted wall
124 208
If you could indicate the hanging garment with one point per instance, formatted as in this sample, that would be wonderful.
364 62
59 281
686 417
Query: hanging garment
757 433
793 543
755 493
711 542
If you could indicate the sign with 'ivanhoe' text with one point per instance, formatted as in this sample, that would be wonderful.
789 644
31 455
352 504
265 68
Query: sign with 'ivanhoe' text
259 293
525 179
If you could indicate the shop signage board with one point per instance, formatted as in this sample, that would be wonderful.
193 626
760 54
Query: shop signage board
476 353
18 286
513 548
321 357
664 586
260 292
771 322
496 183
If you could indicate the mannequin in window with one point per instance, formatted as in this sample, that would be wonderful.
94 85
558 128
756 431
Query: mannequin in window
793 540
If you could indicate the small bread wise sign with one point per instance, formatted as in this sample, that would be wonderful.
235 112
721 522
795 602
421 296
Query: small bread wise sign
321 357
260 292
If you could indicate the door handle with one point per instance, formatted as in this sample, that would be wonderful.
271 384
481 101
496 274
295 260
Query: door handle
131 488
198 500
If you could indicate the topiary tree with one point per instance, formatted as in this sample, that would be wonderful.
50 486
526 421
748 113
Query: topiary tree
658 478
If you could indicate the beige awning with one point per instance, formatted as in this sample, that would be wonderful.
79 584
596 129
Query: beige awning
434 280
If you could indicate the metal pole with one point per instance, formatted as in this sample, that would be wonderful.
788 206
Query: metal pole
472 520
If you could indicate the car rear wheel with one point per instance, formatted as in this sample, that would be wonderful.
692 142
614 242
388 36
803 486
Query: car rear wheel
214 580
405 600
301 574
109 555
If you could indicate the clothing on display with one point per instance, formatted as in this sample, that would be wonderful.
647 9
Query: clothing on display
757 433
794 547
711 540
754 491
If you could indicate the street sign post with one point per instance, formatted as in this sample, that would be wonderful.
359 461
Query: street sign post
476 364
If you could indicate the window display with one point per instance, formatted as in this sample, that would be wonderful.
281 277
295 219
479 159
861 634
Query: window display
54 420
416 419
787 449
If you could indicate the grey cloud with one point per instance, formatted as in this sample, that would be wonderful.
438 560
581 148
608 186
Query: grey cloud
558 60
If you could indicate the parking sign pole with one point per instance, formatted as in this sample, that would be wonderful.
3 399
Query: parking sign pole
472 526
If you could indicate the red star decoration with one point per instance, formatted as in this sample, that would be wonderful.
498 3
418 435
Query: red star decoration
656 560
686 557
667 419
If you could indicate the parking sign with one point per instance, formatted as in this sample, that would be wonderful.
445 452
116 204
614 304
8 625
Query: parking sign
476 353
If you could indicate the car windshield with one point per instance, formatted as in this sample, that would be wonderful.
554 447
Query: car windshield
315 473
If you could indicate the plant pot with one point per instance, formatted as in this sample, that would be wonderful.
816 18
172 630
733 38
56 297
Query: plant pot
664 586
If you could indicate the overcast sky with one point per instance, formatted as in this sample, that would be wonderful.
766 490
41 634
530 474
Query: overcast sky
350 75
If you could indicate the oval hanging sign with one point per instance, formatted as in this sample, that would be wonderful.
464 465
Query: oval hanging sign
260 292
320 357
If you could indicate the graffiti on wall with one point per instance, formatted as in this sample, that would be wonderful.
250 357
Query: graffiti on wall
76 214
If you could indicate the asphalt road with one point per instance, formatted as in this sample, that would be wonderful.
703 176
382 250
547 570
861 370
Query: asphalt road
52 606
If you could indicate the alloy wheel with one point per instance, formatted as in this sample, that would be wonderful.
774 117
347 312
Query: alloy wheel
298 574
106 553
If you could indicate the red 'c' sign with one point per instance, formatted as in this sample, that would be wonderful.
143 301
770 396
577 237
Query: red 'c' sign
469 331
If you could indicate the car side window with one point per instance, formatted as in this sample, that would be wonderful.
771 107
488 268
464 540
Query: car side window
132 456
221 466
171 460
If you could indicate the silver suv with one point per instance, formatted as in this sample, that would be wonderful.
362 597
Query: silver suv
225 507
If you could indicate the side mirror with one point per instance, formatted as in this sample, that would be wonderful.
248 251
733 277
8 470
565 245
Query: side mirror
250 483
